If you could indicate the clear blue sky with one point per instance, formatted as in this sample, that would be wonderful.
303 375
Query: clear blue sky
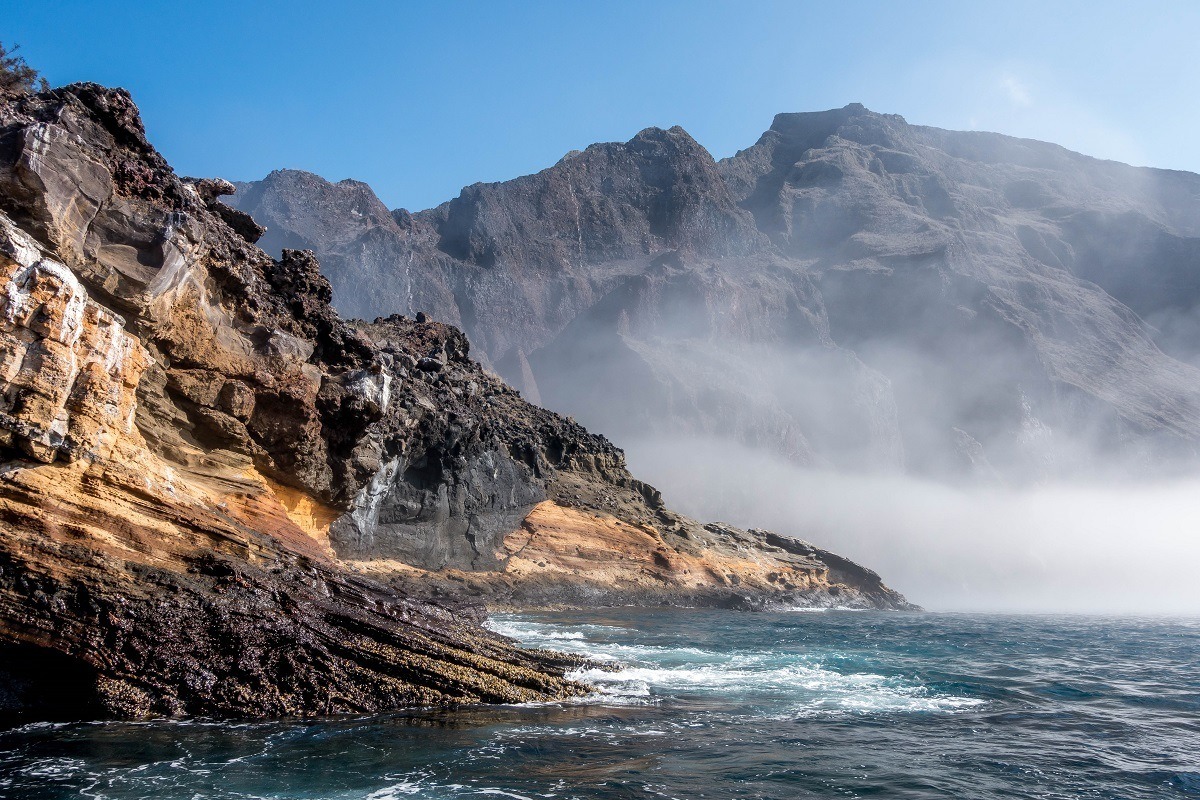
422 99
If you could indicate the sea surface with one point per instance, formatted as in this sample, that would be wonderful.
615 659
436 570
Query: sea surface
713 704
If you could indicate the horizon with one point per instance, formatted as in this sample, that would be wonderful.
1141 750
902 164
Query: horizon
602 76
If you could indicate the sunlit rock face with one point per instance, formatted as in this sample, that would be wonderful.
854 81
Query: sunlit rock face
69 367
851 291
181 419
218 497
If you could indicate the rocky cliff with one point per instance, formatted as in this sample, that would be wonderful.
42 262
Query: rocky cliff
218 497
852 291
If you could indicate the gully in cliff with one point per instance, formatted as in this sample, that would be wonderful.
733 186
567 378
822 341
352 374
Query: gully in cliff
219 498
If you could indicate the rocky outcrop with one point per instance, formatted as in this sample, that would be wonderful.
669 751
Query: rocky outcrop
851 291
568 556
217 497
451 513
171 402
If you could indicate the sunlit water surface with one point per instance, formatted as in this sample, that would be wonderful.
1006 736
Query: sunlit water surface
716 705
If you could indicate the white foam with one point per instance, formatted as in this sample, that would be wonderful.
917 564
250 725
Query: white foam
531 634
59 768
401 789
523 629
799 683
821 609
420 787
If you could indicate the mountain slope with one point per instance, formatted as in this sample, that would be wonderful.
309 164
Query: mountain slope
851 291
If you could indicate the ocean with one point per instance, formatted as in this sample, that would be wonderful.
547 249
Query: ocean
715 704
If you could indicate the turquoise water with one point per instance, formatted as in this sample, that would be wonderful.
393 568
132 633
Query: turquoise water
716 705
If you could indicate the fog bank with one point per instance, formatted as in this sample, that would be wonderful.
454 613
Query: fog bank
1116 547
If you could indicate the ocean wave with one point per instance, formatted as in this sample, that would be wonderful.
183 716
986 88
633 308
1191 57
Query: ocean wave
401 789
598 646
804 689
799 684
423 788
821 609
526 631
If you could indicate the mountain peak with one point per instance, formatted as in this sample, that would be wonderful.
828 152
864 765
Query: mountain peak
675 132
819 125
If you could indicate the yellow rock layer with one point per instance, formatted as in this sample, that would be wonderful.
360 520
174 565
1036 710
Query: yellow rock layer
599 548
310 515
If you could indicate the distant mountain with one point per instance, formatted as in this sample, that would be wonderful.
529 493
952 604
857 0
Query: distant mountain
850 291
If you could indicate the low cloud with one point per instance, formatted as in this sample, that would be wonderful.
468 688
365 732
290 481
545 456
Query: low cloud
1058 547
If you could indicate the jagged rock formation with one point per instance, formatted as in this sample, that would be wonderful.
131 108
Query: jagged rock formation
851 291
217 497
160 376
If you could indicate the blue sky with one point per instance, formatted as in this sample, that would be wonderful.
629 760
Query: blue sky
422 99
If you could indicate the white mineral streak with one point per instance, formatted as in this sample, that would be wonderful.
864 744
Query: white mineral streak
366 503
175 271
37 144
374 388
51 334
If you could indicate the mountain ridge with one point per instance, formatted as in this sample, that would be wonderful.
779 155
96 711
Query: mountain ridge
882 234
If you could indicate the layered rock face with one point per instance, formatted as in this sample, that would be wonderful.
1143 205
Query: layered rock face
170 399
852 291
217 497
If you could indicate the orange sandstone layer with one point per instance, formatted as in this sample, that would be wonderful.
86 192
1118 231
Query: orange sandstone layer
563 557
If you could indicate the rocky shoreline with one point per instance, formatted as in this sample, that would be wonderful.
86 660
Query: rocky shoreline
219 498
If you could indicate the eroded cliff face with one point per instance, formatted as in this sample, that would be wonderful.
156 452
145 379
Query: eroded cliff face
217 497
851 291
180 416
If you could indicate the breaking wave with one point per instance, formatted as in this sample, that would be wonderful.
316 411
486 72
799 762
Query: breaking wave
793 683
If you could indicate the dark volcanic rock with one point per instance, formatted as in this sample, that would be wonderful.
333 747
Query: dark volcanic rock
851 290
155 368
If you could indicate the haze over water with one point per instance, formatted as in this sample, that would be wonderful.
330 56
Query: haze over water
1117 546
